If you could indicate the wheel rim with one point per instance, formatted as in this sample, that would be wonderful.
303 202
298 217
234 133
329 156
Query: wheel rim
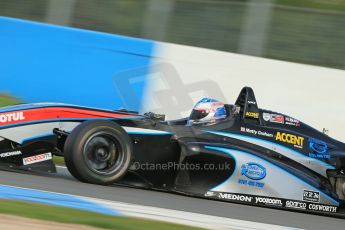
103 153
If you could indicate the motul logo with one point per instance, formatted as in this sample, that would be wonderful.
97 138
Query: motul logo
10 117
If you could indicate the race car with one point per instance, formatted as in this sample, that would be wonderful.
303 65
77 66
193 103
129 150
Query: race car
239 154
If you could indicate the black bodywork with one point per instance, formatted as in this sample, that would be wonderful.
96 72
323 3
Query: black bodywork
174 158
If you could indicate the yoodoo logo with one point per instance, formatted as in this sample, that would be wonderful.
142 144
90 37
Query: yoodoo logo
297 141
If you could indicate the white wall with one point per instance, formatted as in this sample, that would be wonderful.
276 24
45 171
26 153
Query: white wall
312 94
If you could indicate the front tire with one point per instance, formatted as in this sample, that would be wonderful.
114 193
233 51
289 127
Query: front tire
98 152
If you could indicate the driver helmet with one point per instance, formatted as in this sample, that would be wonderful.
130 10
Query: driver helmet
207 110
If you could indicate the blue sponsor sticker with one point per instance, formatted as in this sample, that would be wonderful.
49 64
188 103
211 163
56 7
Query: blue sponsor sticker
317 146
253 171
320 156
251 183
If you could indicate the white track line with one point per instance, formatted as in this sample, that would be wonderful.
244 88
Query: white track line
59 166
187 218
175 216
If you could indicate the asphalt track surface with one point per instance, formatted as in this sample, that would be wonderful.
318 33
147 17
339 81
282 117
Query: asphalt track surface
63 182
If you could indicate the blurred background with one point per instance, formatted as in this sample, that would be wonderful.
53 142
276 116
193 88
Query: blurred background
47 63
302 31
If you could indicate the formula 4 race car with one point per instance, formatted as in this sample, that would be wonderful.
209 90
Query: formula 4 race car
252 156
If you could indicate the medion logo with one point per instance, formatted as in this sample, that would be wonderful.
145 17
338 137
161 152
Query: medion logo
10 117
230 196
291 139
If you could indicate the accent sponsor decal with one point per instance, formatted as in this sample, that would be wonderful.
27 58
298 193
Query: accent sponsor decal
11 117
253 171
252 115
8 154
37 158
256 132
236 197
311 196
252 102
297 141
296 204
269 201
292 121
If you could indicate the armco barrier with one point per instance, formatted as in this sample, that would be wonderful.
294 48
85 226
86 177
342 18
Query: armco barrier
41 62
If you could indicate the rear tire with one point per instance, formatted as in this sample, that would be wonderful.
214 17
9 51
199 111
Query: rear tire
98 152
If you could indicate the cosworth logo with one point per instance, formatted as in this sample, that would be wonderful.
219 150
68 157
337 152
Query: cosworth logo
324 208
10 117
297 141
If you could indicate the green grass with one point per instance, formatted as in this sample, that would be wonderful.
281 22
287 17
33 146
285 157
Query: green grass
58 160
6 100
74 216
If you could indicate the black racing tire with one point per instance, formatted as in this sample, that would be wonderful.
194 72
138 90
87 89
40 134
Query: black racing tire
98 152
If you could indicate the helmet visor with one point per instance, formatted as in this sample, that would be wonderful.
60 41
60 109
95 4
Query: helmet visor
198 114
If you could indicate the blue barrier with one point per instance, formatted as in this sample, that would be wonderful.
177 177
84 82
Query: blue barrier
41 62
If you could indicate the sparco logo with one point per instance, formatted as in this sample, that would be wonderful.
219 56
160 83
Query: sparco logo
268 201
10 117
296 204
230 196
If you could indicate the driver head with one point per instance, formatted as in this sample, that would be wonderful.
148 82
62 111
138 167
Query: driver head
207 110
